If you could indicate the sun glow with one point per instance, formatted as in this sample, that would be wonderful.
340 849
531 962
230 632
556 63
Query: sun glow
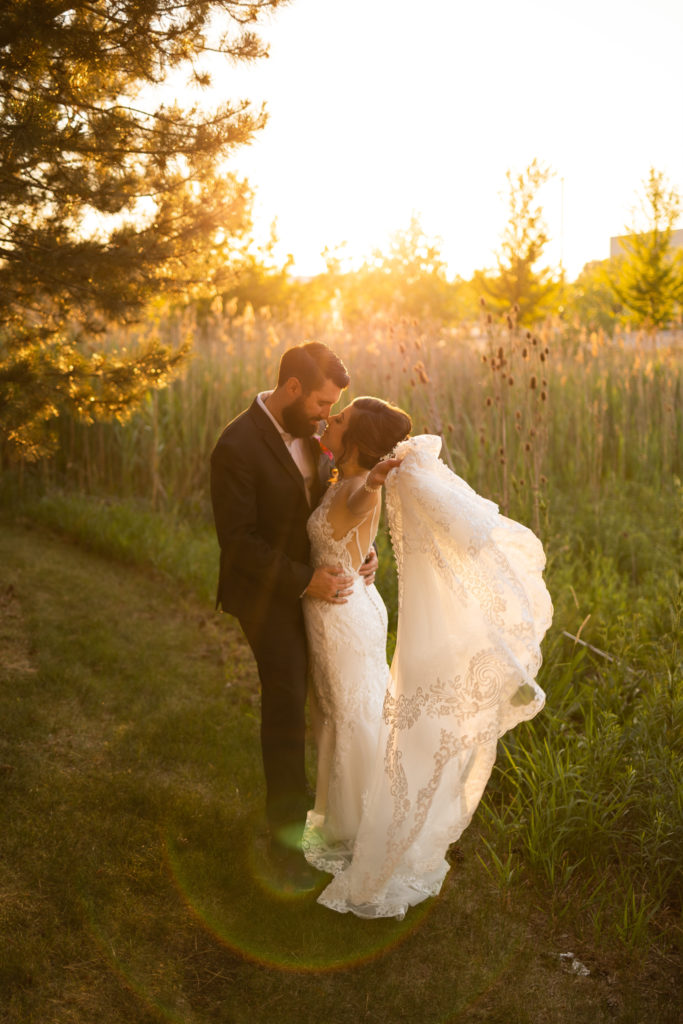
377 112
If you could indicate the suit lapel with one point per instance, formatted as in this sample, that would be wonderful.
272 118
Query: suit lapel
272 438
323 468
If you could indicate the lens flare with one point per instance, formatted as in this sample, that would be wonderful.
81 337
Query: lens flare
238 902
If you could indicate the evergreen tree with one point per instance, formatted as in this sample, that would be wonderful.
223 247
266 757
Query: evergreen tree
519 283
107 197
648 277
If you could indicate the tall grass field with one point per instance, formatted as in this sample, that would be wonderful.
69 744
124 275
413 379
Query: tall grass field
577 435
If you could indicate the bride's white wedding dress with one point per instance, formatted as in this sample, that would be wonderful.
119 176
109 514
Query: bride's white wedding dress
404 754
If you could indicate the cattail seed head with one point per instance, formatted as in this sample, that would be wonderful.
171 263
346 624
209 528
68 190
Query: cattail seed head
532 383
421 372
543 396
488 401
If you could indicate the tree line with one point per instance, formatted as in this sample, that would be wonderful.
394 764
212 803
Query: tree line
641 289
110 198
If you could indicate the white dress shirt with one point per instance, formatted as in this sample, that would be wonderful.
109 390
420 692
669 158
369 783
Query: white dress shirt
298 447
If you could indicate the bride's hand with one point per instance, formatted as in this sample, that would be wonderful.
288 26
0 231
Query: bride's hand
378 474
329 583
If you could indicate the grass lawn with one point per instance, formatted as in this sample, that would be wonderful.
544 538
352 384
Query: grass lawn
131 888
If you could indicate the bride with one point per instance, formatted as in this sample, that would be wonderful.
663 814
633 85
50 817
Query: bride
404 753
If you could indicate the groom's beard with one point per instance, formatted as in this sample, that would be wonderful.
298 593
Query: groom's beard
296 420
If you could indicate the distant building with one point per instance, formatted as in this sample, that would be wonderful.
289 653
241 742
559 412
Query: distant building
616 247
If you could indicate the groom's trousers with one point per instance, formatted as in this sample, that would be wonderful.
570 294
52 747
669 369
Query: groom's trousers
278 640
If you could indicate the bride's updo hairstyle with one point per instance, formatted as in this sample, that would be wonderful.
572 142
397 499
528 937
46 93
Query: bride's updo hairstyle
374 427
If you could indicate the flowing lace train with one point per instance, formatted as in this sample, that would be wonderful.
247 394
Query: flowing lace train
473 610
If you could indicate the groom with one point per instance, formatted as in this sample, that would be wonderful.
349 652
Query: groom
268 473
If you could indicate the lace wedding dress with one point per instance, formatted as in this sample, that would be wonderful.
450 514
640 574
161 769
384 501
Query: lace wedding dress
404 755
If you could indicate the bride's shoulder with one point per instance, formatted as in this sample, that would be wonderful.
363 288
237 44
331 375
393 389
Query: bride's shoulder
338 492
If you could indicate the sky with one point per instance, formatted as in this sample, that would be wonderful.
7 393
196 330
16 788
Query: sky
381 109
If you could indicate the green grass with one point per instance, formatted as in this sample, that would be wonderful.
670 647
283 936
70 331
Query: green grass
131 531
132 843
585 801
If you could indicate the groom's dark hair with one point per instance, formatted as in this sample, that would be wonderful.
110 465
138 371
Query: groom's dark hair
312 364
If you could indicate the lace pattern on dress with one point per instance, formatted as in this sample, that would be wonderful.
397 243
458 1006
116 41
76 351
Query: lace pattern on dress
473 609
347 653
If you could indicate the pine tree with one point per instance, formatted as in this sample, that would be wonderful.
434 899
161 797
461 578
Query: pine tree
648 277
107 197
519 283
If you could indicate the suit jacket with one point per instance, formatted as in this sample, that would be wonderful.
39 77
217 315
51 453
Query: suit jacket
260 510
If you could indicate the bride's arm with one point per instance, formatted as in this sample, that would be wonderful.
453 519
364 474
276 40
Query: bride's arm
364 496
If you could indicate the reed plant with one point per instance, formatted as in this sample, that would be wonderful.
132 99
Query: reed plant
521 413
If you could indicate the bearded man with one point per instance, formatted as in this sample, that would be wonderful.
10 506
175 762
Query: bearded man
268 473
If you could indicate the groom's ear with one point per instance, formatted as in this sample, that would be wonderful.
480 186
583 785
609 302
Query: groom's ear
293 387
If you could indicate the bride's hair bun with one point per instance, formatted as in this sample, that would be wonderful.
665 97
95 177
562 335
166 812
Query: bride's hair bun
375 428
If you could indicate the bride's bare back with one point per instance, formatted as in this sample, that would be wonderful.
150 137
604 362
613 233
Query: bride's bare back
357 529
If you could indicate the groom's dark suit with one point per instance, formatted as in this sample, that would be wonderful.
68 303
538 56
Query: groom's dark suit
260 509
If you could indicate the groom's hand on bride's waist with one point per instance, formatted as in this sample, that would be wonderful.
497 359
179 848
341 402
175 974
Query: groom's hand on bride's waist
369 567
329 583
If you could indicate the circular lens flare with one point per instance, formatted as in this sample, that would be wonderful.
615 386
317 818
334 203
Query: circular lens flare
242 906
